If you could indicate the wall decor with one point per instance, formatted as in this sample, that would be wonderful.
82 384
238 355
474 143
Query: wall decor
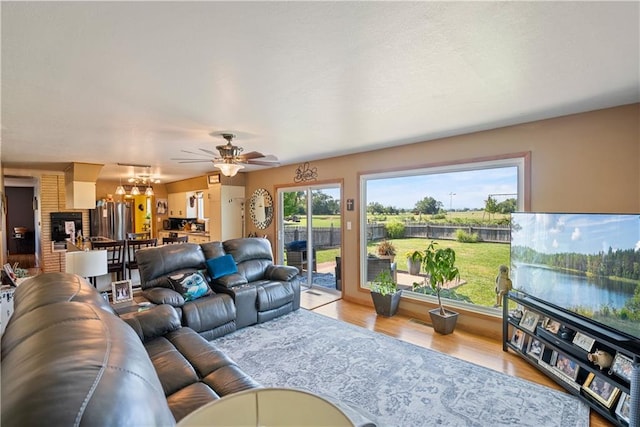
305 173
261 208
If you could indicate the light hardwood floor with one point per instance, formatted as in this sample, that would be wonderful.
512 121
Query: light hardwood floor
479 350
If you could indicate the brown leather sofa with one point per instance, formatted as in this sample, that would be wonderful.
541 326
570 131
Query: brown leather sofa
69 360
259 291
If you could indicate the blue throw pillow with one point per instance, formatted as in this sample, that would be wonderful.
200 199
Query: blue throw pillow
190 285
221 266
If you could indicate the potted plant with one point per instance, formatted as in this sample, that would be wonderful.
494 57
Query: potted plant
385 294
386 250
439 264
414 262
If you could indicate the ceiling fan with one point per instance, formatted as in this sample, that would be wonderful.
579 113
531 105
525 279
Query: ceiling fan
229 158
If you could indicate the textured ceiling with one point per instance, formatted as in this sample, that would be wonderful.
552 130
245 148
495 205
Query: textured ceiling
137 82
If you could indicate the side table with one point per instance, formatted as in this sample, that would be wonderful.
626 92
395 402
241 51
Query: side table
138 304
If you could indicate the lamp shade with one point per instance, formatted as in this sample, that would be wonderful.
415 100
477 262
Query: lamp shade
86 263
229 169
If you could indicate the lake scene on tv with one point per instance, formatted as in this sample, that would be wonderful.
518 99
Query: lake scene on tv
586 263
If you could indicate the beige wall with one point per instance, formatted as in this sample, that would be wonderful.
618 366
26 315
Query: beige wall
586 162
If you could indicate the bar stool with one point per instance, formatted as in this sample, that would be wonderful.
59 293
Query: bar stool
115 256
132 247
170 240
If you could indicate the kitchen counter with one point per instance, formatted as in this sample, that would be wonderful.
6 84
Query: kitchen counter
85 244
194 236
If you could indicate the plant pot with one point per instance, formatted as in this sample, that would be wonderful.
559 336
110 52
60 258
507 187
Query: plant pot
386 305
414 266
392 258
443 324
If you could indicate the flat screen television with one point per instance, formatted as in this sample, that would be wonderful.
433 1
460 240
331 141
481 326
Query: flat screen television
587 264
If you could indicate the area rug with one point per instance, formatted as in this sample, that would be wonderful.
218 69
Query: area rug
396 383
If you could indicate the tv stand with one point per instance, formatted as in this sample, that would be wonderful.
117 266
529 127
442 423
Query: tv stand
559 343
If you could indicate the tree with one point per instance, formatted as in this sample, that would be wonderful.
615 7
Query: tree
508 206
490 206
428 205
292 203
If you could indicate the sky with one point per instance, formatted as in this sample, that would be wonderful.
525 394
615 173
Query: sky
578 233
470 188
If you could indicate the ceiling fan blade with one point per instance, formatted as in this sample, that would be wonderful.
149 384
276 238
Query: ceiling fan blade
195 154
193 161
209 152
264 161
252 155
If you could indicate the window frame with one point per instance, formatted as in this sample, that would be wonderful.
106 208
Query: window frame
522 161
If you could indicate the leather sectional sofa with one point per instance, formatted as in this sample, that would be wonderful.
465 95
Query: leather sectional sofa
257 292
69 360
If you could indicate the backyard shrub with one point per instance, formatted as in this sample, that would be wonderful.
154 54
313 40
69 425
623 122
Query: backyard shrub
395 230
466 237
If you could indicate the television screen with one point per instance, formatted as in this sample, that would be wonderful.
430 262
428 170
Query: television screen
588 264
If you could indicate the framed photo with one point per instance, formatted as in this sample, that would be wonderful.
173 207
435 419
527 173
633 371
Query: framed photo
601 390
535 348
622 366
214 179
583 341
121 291
518 338
553 326
9 275
624 407
567 366
529 320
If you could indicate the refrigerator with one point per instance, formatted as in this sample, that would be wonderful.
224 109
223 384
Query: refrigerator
112 220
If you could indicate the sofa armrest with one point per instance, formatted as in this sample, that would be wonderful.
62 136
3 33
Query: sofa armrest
160 296
231 280
281 272
154 322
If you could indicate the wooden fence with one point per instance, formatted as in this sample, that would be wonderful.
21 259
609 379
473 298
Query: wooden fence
328 237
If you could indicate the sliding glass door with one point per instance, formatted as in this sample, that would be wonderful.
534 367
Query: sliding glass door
310 230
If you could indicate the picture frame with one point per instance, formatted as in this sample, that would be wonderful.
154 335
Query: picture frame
518 338
583 341
9 275
213 179
601 390
535 348
624 407
568 367
121 291
622 366
529 320
553 326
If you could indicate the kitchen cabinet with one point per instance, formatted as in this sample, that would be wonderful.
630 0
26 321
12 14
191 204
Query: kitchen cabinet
182 205
225 211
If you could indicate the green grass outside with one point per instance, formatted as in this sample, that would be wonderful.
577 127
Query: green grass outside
478 263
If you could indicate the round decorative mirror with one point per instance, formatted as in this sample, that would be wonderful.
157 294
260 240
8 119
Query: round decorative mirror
261 208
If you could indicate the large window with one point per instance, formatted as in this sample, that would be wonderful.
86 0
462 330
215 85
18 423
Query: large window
463 206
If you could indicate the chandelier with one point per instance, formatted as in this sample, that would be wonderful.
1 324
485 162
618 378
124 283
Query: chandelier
143 180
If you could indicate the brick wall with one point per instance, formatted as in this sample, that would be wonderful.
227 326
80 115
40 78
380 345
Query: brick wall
52 199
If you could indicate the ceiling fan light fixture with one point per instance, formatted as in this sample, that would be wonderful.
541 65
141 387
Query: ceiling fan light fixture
120 191
135 191
148 192
228 169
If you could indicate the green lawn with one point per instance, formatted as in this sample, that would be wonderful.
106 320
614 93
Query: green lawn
478 264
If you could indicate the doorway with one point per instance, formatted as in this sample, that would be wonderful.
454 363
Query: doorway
22 224
310 237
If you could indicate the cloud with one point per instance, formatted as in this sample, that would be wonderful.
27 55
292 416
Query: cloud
637 248
576 235
555 243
